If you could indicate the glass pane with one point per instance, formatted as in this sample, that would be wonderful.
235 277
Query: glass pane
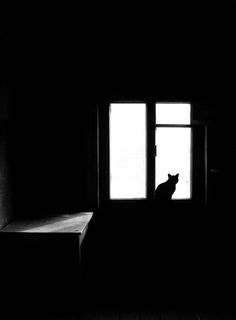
173 113
127 150
174 156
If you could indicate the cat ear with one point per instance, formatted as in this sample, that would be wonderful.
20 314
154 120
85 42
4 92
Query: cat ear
169 175
177 175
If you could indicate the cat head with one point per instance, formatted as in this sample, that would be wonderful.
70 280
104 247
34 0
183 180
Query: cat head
173 178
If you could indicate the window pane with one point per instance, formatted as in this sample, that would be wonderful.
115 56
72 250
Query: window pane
174 156
173 113
127 150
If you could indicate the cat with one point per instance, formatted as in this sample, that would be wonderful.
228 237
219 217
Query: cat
165 190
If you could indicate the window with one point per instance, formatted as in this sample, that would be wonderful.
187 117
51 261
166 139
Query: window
130 151
127 150
173 146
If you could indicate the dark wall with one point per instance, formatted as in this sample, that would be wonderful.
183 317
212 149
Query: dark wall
5 97
185 257
52 118
62 69
51 159
5 184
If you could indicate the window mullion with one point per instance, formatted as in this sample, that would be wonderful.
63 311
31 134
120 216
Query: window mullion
173 125
151 121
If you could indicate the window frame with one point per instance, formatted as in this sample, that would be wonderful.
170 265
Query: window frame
168 125
104 157
104 154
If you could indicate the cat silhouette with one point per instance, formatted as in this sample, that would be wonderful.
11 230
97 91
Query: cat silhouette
165 190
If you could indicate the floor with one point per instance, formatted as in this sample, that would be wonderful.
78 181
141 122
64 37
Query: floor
154 315
138 276
111 314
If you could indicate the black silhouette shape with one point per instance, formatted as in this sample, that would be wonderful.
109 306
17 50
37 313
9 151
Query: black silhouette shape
165 190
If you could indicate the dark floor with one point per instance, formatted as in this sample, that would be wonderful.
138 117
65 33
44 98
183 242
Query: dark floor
140 269
173 268
114 314
154 315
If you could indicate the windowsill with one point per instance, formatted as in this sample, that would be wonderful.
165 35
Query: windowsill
142 203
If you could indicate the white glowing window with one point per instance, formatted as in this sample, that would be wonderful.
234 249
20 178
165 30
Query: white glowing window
173 113
173 145
127 150
174 156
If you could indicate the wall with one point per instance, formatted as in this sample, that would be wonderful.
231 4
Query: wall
54 165
53 116
56 71
5 185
